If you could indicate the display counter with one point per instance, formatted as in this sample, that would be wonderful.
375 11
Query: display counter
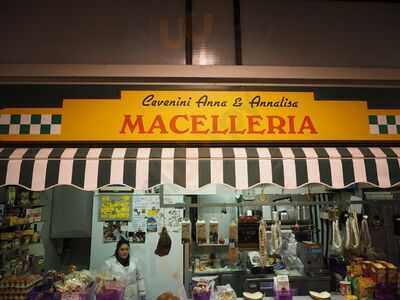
334 297
244 280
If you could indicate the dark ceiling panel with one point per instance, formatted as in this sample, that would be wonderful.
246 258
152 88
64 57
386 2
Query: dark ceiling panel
320 33
92 32
213 32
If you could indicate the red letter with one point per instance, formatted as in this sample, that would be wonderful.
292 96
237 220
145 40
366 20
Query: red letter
215 126
272 126
252 123
233 125
307 124
172 124
196 121
291 124
128 123
158 123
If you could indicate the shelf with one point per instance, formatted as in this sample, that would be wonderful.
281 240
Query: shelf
211 245
16 225
26 207
8 251
219 271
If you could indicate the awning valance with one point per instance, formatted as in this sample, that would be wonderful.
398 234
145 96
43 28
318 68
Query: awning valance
141 168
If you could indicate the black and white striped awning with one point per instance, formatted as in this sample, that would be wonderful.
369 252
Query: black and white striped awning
141 168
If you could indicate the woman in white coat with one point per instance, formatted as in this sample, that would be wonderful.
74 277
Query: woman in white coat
126 269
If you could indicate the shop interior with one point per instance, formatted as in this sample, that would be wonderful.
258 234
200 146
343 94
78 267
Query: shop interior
317 238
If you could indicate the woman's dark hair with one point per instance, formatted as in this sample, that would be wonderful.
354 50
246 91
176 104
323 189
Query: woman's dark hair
122 261
121 242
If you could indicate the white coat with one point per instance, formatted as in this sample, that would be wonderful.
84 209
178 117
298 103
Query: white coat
131 276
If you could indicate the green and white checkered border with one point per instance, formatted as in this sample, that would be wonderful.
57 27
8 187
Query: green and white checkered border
30 124
384 124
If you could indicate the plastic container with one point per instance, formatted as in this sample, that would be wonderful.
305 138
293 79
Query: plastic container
202 296
114 294
284 294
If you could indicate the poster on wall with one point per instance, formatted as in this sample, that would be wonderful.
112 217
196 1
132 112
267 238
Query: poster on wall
151 224
146 209
115 207
172 218
114 231
137 237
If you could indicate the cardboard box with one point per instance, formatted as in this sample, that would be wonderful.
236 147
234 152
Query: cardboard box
378 273
391 271
366 267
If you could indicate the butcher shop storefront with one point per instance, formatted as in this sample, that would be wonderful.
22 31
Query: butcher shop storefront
277 192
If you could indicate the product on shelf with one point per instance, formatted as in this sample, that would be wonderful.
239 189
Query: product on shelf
17 231
186 231
233 233
18 287
201 235
213 235
391 271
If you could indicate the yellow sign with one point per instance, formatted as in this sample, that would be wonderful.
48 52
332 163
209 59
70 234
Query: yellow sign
212 116
115 207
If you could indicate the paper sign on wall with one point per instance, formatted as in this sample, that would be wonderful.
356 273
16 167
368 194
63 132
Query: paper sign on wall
115 207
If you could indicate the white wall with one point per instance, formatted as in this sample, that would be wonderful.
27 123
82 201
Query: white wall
161 274
223 195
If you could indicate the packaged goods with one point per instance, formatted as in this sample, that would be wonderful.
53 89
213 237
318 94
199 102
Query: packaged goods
345 287
201 235
378 273
391 271
233 233
186 231
213 232
202 290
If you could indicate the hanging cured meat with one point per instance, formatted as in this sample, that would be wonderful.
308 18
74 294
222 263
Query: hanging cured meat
337 241
352 232
276 237
262 237
164 243
365 236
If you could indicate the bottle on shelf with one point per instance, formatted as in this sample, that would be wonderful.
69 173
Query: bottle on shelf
35 236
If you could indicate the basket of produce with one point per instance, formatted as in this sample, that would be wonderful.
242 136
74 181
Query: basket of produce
76 286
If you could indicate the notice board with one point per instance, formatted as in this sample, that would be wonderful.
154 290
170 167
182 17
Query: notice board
115 207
